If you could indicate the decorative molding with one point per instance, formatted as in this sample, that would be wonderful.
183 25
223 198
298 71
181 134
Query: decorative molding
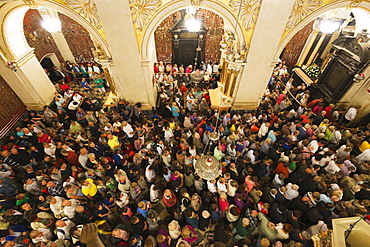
86 9
301 9
196 3
142 11
246 10
355 3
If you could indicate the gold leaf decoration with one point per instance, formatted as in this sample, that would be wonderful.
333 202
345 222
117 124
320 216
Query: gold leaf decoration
247 10
301 9
142 10
87 9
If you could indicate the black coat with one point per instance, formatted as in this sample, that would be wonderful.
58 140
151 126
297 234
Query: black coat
275 215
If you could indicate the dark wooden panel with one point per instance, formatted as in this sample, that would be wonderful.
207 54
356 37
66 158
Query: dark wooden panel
78 39
12 108
295 46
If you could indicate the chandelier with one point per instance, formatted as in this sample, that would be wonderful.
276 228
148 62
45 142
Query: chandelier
191 22
208 167
51 21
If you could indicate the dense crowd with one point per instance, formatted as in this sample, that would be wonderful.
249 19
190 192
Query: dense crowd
288 168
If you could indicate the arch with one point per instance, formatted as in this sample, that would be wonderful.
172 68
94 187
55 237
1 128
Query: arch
53 58
311 17
13 40
169 8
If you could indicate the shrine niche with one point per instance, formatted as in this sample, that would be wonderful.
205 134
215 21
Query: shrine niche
12 108
188 47
349 55
164 37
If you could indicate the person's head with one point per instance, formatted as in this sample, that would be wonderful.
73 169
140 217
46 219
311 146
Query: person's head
50 184
288 228
60 223
26 206
254 213
264 242
245 222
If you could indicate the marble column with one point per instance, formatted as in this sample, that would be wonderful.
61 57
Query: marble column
29 82
311 39
316 49
131 84
59 38
265 40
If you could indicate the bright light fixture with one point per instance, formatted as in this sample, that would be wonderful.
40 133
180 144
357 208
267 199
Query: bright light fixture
51 21
192 24
329 26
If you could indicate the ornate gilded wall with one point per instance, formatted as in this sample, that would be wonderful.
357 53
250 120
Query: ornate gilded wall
294 48
37 37
163 37
214 24
78 39
12 108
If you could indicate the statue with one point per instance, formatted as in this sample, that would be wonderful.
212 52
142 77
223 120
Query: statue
98 53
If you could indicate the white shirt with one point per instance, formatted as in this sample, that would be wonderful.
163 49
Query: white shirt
57 208
168 135
332 167
154 195
50 150
212 187
128 129
351 114
221 187
313 146
290 194
83 160
215 68
232 189
64 233
365 156
70 211
150 175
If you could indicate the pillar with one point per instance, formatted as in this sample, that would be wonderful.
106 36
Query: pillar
316 49
120 34
29 82
307 47
264 43
58 37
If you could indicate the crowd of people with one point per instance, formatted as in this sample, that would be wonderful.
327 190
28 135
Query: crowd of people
288 169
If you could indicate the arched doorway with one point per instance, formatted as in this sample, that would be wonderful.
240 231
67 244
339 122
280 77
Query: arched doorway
175 44
31 83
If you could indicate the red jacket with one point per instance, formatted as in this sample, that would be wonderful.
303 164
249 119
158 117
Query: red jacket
281 169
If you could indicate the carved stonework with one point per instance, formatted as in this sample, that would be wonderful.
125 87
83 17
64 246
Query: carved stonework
247 10
301 9
142 10
87 9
